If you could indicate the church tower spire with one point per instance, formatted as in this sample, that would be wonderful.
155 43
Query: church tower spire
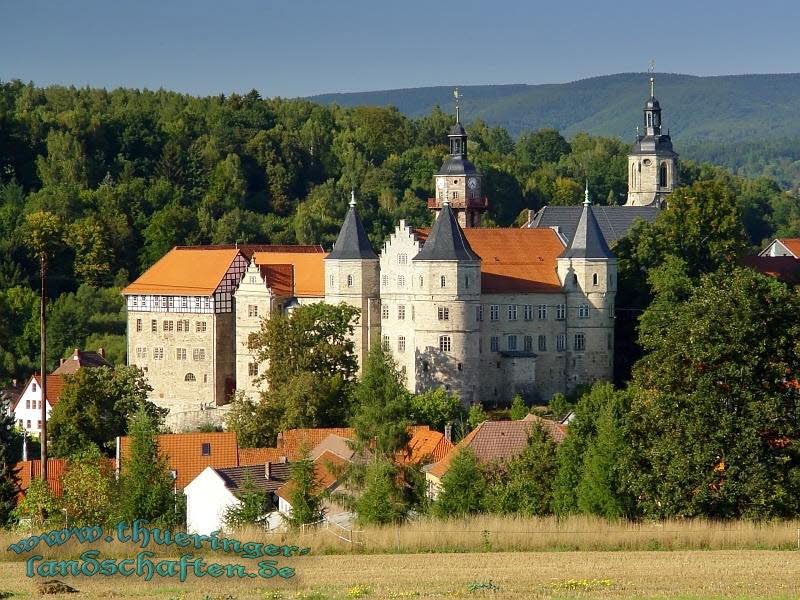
458 181
652 164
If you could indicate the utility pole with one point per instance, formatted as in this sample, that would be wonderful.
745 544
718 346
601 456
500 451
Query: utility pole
43 361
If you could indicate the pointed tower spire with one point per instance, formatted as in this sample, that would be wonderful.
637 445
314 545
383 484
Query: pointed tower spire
446 240
588 241
352 242
586 194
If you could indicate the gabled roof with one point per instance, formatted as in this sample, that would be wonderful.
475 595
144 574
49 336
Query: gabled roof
494 441
792 246
325 476
55 385
260 456
186 271
514 260
235 477
446 240
614 221
81 359
308 270
352 242
783 268
278 278
588 241
425 445
292 440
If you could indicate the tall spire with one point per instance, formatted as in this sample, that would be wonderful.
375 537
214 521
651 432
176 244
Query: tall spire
352 242
588 241
446 240
586 194
457 96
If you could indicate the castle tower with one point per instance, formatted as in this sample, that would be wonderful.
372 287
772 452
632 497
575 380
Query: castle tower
351 276
652 165
458 181
447 283
588 273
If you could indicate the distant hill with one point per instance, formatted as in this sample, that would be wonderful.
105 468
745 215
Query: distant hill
697 110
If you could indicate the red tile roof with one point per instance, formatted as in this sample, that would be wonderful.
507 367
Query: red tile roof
260 456
792 245
55 385
425 445
325 476
499 441
293 440
308 270
784 268
279 279
81 359
514 260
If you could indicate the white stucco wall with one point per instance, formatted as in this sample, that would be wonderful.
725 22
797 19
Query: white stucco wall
207 498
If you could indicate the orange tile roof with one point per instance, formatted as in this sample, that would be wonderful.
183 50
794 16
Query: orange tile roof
309 270
325 476
425 445
260 456
29 470
185 271
55 385
291 441
514 260
792 244
184 453
279 279
784 268
499 441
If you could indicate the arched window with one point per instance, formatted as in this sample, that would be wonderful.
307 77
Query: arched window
190 377
594 279
649 119
443 281
662 175
349 281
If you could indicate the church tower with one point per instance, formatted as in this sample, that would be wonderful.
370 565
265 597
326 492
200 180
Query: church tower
652 165
351 276
458 181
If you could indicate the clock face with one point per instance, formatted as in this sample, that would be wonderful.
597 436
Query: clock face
440 182
472 183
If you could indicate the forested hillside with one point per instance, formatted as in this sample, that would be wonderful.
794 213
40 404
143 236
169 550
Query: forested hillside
131 173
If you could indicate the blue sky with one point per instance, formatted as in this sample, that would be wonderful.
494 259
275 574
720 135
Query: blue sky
302 47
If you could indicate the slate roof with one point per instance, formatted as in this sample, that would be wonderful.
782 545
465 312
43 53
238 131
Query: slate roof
456 164
81 359
352 242
493 441
235 477
446 240
588 240
614 221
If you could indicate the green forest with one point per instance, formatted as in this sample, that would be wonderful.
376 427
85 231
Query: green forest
131 173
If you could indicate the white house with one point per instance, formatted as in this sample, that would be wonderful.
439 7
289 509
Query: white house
215 490
27 410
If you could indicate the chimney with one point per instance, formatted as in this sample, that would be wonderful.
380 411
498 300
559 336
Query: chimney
101 352
24 447
266 470
60 361
76 354
448 432
13 383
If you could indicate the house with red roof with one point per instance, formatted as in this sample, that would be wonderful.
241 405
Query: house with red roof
27 410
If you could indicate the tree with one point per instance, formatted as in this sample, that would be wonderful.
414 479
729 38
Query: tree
95 406
39 507
559 406
544 145
147 487
476 415
253 505
525 485
464 488
382 500
518 408
436 407
9 482
90 494
713 414
306 496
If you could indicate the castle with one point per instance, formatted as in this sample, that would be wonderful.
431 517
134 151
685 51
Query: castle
486 313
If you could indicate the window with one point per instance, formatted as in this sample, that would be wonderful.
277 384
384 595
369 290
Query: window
180 325
479 312
253 279
444 313
163 302
561 312
186 325
444 343
528 312
594 279
528 343
542 311
158 353
171 301
206 303
662 175
168 325
401 343
402 258
583 311
184 302
542 343
580 342
28 404
384 280
141 352
443 281
252 310
39 424
200 327
561 342
611 311
28 423
205 449
494 312
138 324
384 311
180 353
574 279
466 281
386 343
33 387
401 281
153 325
494 343
401 311
512 312
349 281
135 300
421 279
199 354
252 369
330 280
412 312
190 377
512 342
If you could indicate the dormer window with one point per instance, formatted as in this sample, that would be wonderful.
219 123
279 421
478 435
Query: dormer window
205 449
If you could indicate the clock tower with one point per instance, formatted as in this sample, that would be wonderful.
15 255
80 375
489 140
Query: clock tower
458 181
